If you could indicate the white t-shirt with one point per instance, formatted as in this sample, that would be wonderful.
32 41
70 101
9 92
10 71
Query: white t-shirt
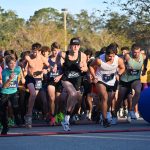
106 73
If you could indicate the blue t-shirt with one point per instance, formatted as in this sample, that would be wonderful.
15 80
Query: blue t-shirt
14 83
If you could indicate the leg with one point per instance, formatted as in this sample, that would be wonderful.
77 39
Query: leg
31 101
121 96
72 95
14 99
90 105
51 93
32 98
101 89
136 85
44 102
4 117
71 102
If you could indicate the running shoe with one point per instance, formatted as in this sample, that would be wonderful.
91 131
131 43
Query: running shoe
28 121
4 131
133 116
137 115
11 122
61 117
57 118
129 119
106 123
52 121
65 126
114 120
109 117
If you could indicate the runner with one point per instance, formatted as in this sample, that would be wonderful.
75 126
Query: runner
54 87
105 77
35 63
131 80
9 92
74 65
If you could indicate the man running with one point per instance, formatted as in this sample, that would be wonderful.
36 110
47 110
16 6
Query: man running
107 66
131 80
35 63
74 65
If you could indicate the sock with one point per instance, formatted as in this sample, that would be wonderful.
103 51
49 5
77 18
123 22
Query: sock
67 118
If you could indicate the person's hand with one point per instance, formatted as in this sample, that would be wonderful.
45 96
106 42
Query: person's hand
11 77
54 69
27 57
95 80
44 71
56 79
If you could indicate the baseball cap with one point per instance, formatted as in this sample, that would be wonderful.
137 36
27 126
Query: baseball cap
75 41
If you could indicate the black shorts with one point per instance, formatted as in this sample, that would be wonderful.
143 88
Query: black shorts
108 87
87 87
76 82
58 86
127 85
30 79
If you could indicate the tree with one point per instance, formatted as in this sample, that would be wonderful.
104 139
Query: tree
139 9
86 22
46 15
139 16
118 24
9 24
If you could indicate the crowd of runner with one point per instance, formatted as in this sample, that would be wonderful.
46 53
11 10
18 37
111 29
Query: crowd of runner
72 85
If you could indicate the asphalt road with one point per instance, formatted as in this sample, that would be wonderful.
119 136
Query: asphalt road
99 141
82 137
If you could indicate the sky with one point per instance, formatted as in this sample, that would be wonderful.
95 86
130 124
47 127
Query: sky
26 8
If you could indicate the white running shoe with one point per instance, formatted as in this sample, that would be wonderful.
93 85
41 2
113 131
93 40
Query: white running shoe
65 126
67 118
133 116
121 112
114 120
109 117
129 117
137 115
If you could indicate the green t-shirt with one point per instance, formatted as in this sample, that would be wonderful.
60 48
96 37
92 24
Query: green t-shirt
133 69
14 83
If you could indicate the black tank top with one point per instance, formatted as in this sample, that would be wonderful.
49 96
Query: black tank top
71 68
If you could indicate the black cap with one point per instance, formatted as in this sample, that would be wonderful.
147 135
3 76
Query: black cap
75 41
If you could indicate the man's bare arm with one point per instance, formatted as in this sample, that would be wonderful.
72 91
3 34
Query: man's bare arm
95 63
121 66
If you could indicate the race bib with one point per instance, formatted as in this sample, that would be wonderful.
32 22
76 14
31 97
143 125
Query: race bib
133 72
53 74
107 77
38 84
73 74
13 84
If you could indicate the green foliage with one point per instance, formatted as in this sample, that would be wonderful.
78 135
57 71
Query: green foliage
9 25
47 26
137 15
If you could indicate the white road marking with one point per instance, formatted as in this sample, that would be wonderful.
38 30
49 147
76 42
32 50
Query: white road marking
104 137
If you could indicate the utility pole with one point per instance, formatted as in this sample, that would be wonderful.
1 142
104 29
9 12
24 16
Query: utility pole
65 27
